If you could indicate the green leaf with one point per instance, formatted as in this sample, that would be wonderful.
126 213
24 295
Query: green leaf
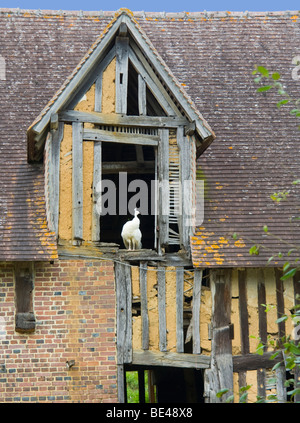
281 319
243 398
294 392
234 236
297 181
276 366
289 274
265 88
263 71
275 76
254 250
222 392
282 102
230 399
265 228
286 266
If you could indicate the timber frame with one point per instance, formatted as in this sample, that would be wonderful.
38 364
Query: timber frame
150 108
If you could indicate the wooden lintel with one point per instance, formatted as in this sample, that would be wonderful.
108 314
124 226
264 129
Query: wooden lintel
122 120
119 137
170 359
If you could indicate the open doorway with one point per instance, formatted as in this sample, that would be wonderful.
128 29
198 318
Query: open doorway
130 169
163 385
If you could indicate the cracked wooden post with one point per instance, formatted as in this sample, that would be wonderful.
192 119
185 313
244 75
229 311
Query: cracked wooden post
220 374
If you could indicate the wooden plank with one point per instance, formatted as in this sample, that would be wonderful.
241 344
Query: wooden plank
57 137
220 375
262 330
156 358
158 94
280 302
98 93
179 309
196 310
121 377
164 191
142 101
243 312
246 362
119 137
121 82
96 193
123 312
77 181
114 120
144 305
162 322
186 188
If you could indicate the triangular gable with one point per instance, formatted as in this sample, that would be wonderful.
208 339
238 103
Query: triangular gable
159 79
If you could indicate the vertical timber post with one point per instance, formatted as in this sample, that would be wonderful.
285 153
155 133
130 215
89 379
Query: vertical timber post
220 375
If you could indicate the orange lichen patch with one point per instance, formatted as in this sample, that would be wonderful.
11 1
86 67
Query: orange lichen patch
294 18
254 158
240 243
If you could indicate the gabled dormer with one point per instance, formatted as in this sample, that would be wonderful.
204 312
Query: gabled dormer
120 133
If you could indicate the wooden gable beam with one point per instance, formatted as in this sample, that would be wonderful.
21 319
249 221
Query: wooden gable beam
115 120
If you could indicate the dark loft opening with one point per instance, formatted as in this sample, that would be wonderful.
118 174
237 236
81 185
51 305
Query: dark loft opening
152 106
130 169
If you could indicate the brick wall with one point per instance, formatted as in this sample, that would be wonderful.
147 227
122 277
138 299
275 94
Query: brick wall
74 306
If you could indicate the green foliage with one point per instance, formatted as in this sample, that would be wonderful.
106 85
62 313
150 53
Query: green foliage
133 387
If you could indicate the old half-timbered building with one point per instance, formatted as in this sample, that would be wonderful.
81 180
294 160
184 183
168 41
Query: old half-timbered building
102 113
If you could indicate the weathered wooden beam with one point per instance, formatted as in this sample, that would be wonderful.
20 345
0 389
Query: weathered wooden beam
96 194
142 101
220 376
196 310
123 30
247 362
144 305
119 137
159 358
24 285
179 310
164 189
98 93
262 329
161 294
121 82
77 181
57 137
123 312
119 120
185 213
54 122
190 129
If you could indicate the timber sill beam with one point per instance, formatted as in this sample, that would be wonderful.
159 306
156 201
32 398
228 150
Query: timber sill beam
70 116
247 362
170 359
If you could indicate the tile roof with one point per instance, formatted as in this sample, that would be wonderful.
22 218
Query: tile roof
212 56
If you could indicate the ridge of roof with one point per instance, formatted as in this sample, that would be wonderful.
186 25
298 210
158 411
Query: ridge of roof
184 15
